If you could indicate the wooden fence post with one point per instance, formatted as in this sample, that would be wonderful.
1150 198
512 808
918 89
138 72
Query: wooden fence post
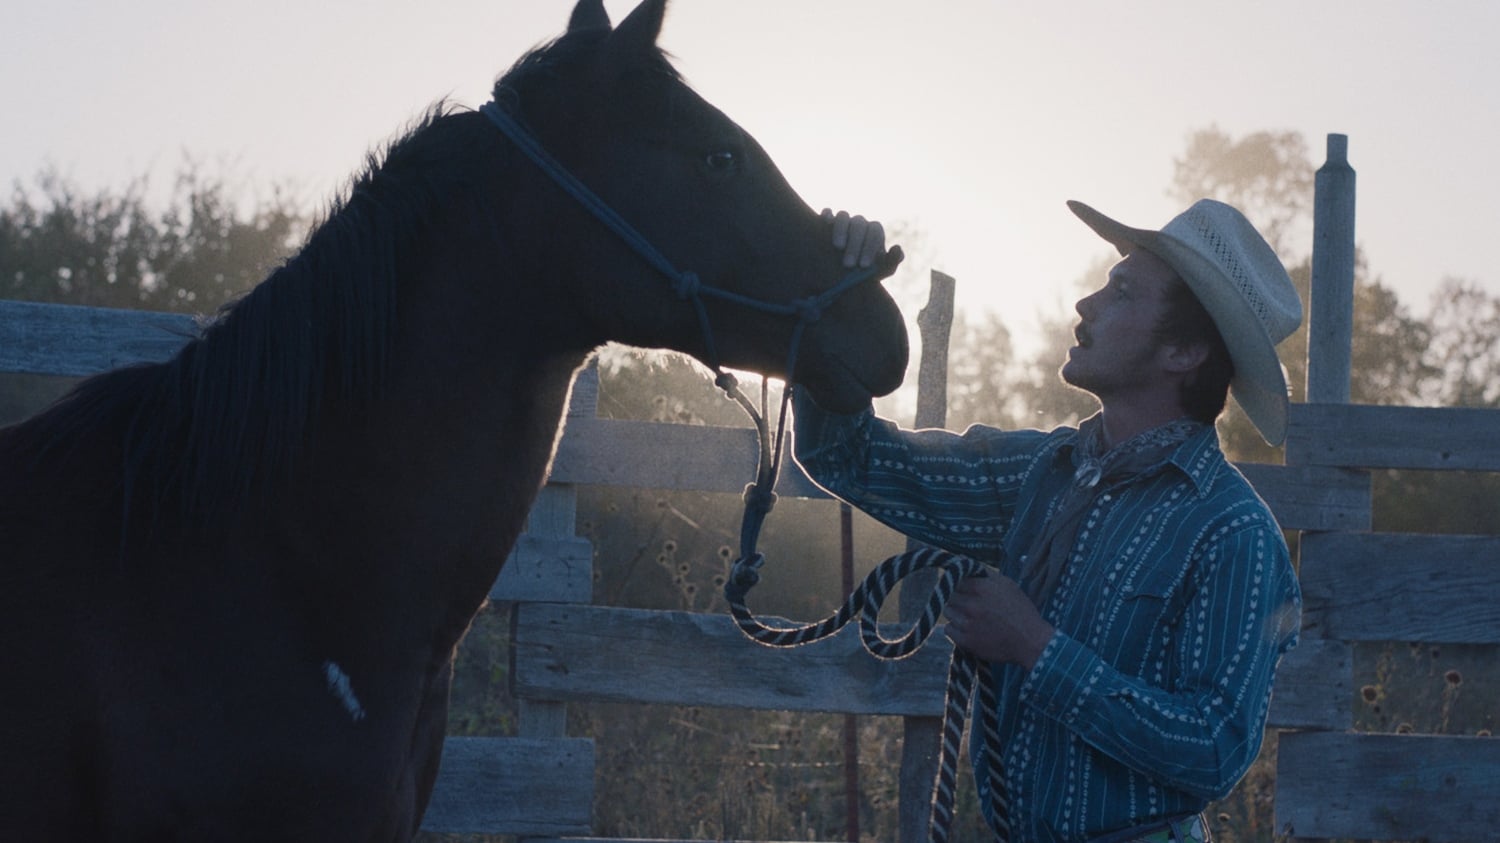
921 735
1330 324
1330 319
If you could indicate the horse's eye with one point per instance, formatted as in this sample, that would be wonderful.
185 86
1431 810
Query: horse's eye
722 161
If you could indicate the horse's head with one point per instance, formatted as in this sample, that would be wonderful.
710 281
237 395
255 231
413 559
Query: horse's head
609 107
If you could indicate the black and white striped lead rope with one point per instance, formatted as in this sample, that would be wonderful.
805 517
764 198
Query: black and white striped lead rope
967 675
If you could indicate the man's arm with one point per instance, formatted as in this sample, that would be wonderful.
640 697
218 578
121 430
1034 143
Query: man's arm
950 490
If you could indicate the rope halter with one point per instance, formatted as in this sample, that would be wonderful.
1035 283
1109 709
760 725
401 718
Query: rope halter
966 674
686 284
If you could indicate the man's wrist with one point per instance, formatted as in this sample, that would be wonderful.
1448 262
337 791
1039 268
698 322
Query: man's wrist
1037 644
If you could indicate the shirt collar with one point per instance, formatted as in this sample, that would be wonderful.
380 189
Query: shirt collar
1196 458
1199 457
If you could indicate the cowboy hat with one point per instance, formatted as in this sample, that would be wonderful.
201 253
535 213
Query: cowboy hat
1240 282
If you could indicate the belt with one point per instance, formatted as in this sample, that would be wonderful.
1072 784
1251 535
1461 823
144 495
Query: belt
1188 829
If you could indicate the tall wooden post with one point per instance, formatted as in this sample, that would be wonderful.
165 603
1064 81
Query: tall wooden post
1330 323
922 735
1330 319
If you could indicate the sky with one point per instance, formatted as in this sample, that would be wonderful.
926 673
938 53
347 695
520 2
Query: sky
969 121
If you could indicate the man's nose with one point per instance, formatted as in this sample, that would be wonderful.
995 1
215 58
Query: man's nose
1084 305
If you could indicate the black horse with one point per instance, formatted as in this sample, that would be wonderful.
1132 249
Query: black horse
231 584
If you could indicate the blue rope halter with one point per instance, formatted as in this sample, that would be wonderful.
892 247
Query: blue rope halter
686 284
967 675
759 496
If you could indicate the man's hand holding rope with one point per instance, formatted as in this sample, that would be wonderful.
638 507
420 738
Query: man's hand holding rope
991 617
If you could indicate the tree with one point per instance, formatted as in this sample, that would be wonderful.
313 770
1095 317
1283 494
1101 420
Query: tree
1046 401
70 248
111 249
981 379
1463 354
1267 175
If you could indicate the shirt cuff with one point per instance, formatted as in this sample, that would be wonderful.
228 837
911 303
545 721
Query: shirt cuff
1062 679
826 443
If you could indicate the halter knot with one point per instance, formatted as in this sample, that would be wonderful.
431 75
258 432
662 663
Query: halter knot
743 577
808 310
687 285
761 499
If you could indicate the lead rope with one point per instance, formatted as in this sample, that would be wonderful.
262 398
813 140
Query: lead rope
967 675
965 672
760 497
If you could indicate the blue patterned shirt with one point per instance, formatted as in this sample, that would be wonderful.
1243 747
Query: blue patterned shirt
1176 604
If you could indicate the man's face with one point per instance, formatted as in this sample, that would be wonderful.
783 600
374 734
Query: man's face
1116 354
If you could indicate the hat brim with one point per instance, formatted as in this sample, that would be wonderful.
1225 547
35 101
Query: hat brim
1259 383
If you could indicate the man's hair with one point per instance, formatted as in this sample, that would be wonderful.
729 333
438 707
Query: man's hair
1185 322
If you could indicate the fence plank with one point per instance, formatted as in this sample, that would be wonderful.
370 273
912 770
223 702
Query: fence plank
576 653
548 570
1312 498
1387 787
682 658
1402 587
1314 687
1453 438
613 452
513 786
58 339
650 455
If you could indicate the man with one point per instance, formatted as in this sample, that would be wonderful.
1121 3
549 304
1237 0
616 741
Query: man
1143 593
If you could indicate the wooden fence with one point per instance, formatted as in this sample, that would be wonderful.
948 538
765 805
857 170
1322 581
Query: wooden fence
1359 586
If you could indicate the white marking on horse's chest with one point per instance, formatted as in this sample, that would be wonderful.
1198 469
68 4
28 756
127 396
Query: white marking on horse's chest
338 685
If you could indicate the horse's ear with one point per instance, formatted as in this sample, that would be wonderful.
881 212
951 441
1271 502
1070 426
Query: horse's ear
636 34
588 14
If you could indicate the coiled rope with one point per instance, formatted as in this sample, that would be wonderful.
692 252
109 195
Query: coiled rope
967 675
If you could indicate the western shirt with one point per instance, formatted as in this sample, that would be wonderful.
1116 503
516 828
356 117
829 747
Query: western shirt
1176 603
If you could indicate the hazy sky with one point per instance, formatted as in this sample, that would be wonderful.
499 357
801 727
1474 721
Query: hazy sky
971 119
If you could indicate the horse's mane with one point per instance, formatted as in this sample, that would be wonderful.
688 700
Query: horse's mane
227 416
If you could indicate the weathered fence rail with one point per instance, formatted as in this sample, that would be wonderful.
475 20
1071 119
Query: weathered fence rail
1359 586
1368 587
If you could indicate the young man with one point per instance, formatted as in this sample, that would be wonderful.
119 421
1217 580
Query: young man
1143 593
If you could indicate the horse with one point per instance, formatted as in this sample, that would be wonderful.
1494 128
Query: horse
232 583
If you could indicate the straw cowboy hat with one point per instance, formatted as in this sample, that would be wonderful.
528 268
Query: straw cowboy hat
1242 285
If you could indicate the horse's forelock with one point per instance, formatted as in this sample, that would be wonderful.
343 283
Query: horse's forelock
575 51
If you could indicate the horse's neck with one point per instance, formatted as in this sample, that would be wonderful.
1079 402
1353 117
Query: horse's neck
439 489
436 477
